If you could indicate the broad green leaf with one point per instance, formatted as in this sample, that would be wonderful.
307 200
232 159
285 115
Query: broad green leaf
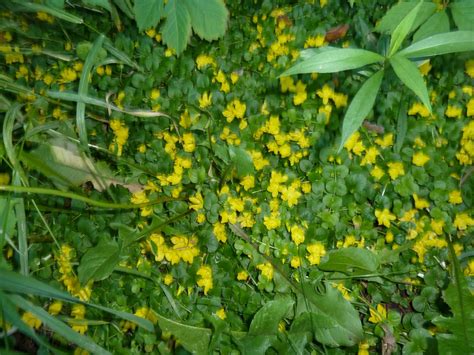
349 260
242 161
461 325
16 283
403 29
398 12
402 126
208 18
437 23
463 14
443 43
177 27
99 262
126 8
58 327
410 75
147 13
360 106
100 3
194 339
331 318
265 321
334 60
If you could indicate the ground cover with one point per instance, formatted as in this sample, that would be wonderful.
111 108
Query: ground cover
206 194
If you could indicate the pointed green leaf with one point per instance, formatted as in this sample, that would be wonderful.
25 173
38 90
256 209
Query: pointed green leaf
99 262
193 339
147 13
398 12
60 14
348 260
208 18
58 327
14 282
410 75
334 60
266 320
360 106
437 23
463 14
443 43
403 29
177 27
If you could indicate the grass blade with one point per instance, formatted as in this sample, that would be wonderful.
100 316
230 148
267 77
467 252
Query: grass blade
61 14
8 123
22 235
83 89
13 282
58 327
125 59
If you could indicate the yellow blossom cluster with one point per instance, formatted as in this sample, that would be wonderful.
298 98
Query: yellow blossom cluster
142 312
465 154
11 54
121 136
316 252
205 280
419 109
184 248
315 41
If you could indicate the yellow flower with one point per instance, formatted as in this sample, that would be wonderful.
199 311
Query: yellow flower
248 182
316 251
205 281
196 202
453 112
455 197
55 308
379 315
43 16
68 75
370 156
386 141
470 108
425 68
273 221
205 100
325 93
384 217
315 41
155 94
31 320
242 275
295 262
377 173
4 178
220 232
418 109
168 279
297 234
189 143
395 169
420 159
267 270
363 348
234 109
470 67
463 221
202 60
420 203
221 314
300 93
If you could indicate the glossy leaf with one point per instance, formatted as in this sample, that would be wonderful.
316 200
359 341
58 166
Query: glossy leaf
348 260
177 27
437 23
463 14
403 29
334 60
208 18
147 13
398 12
99 262
410 75
443 43
265 321
193 339
360 106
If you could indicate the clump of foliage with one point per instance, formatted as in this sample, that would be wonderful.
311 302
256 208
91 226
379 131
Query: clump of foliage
201 199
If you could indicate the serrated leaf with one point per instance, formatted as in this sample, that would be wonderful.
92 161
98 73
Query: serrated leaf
360 106
403 29
443 43
98 263
241 160
332 319
410 75
396 14
208 18
437 23
348 260
334 60
147 13
177 27
193 339
463 15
